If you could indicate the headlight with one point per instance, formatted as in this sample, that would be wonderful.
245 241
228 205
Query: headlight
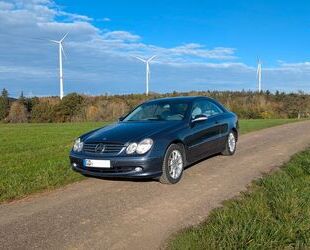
78 145
140 148
131 148
144 146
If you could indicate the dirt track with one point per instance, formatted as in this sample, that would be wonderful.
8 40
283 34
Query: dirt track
106 214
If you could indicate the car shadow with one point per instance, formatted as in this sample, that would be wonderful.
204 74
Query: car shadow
203 159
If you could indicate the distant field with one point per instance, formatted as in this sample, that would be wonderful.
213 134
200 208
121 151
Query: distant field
34 157
275 214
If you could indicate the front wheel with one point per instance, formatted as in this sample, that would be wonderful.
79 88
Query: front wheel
173 164
231 144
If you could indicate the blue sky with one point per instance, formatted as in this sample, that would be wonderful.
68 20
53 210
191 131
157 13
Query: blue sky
200 45
274 30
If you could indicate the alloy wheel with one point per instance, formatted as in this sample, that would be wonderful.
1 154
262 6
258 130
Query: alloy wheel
175 163
231 142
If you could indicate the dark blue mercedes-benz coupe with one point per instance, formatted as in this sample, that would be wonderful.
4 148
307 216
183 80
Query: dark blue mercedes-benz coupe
158 139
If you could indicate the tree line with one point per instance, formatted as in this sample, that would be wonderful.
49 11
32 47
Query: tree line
79 108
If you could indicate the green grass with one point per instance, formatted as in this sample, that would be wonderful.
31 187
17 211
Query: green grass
247 126
34 157
274 214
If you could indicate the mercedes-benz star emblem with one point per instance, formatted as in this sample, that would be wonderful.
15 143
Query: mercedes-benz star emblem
100 148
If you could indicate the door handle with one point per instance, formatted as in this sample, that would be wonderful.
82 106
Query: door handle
216 122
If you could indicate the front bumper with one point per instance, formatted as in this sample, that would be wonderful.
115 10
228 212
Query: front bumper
121 166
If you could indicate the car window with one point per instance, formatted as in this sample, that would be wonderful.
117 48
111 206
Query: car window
168 111
205 107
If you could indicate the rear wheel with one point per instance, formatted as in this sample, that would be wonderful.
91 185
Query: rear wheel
173 164
231 144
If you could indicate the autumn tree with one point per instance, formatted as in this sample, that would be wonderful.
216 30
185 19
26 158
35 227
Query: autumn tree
71 105
4 104
18 113
42 112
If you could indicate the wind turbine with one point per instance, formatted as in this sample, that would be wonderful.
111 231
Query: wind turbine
60 51
259 75
147 79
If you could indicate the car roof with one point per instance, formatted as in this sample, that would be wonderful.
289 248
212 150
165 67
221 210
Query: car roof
180 98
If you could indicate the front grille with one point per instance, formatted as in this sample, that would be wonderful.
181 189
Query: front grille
103 148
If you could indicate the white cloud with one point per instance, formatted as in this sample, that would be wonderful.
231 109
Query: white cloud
105 19
300 66
121 36
6 5
74 17
194 49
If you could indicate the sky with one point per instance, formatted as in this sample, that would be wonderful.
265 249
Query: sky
200 45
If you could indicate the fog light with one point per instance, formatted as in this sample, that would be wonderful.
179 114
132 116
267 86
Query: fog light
74 164
138 169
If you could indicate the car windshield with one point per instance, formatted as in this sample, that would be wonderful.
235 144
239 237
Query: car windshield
160 111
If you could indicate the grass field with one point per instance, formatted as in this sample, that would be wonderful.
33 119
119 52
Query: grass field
275 214
247 126
34 157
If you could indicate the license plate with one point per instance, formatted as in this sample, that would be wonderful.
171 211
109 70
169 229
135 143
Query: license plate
97 163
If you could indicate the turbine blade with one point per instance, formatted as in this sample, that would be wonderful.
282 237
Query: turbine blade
54 41
259 69
63 38
139 58
63 51
257 73
151 58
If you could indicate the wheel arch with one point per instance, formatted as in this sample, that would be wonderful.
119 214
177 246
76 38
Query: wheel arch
235 130
181 143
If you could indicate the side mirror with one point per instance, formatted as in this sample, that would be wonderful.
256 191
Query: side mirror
199 118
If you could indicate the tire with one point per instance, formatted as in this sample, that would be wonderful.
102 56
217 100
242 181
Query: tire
169 175
231 144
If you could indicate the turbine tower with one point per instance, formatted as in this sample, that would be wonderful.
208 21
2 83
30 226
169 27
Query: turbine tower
147 71
60 51
259 75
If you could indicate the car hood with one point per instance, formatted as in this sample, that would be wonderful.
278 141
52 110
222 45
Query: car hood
123 132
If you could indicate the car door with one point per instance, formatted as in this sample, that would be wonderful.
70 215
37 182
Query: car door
223 123
203 135
222 120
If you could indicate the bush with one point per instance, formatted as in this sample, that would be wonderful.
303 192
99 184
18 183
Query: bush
69 107
42 112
